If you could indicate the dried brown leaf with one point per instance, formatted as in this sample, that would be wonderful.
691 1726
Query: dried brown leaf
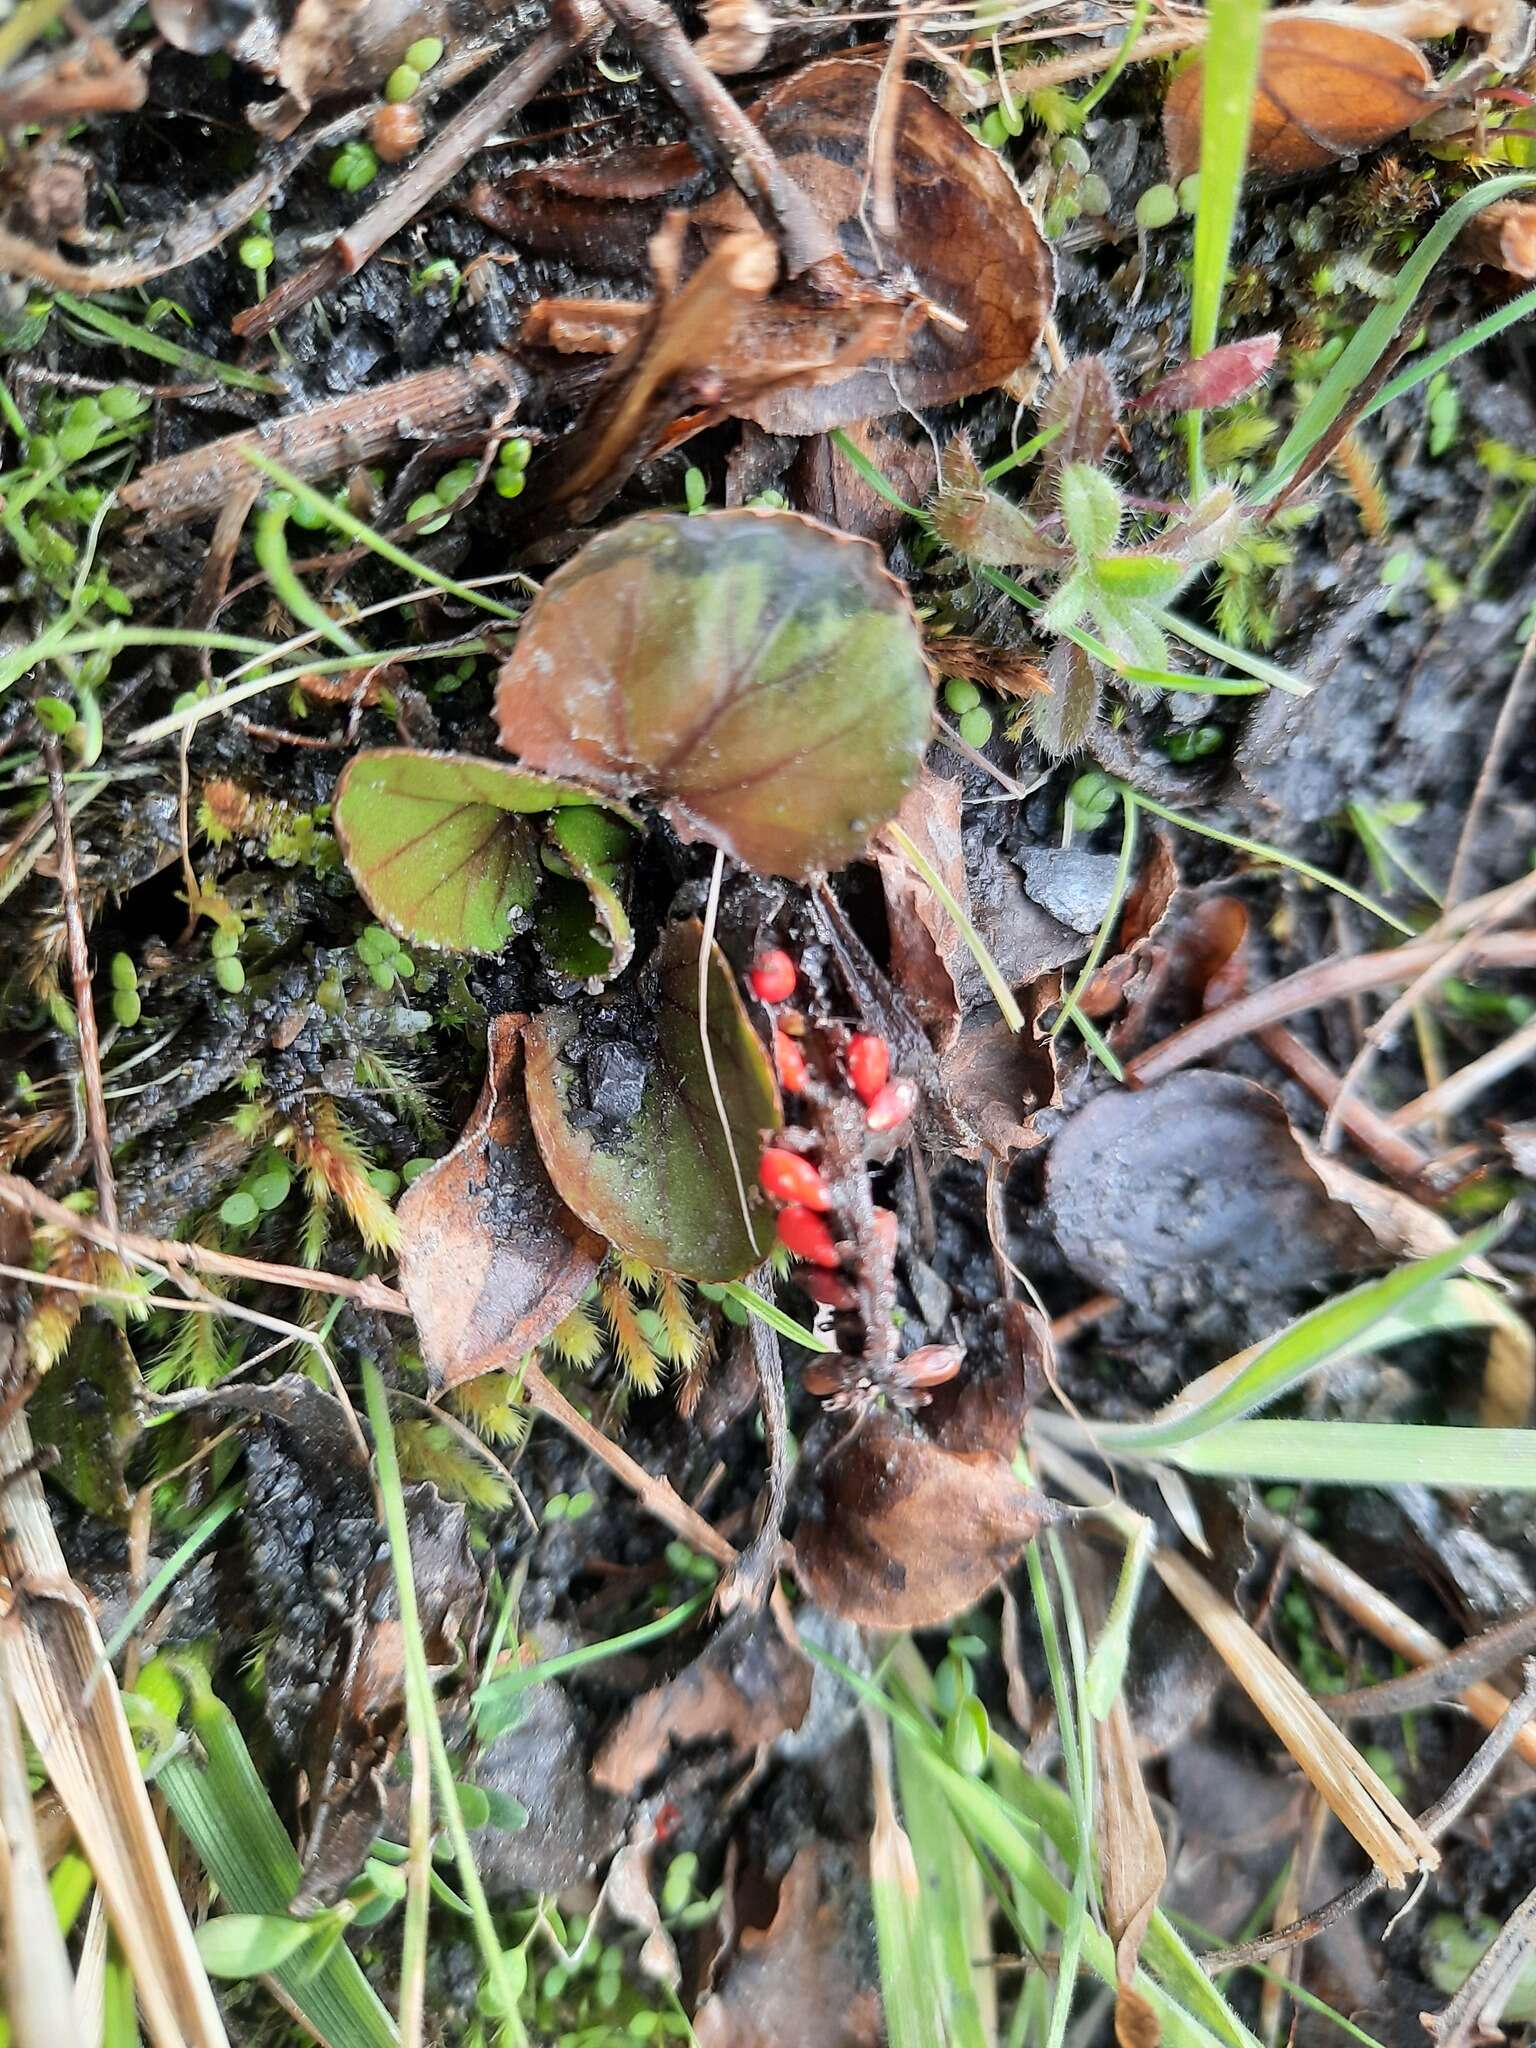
904 1534
1327 88
1133 1866
491 1259
746 1687
796 1981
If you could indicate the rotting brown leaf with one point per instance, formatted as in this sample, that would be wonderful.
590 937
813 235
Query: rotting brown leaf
967 247
491 1259
628 1896
745 1688
1327 88
905 1534
1504 236
1133 1867
797 1980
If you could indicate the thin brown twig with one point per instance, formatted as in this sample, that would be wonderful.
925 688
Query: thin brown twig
16 1193
1435 1820
655 1495
1434 1684
1382 1617
1328 981
573 24
1423 985
85 1004
1493 762
723 134
1468 1082
1392 1152
1473 2014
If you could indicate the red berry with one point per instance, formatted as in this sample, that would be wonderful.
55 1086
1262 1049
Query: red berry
869 1065
786 1177
773 976
892 1106
790 1061
802 1231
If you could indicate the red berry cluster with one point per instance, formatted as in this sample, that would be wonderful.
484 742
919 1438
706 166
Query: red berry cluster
788 1177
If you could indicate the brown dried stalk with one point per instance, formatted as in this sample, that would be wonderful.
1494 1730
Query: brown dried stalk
444 404
1435 1820
1371 1608
1328 982
80 975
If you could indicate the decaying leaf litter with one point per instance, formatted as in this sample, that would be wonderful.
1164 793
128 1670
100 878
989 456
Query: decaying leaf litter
767 858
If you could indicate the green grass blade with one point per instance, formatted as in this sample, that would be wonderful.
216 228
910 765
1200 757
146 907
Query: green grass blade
954 1914
1254 665
1424 367
1339 1329
1372 336
1263 851
171 1570
421 1705
1107 923
770 1313
356 529
1368 1454
112 326
269 544
1230 61
222 1807
505 1685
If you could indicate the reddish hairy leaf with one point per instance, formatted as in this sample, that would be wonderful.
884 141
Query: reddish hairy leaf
758 676
1226 373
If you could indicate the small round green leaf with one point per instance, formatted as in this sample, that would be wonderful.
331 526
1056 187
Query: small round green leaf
439 846
757 675
250 1944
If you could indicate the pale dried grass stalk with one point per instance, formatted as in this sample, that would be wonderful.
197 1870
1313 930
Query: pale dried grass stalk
39 1989
1380 1823
49 1649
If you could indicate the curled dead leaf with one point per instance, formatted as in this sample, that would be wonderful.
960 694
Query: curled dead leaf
746 1687
1134 1868
491 1259
1503 236
797 1980
1328 87
904 1534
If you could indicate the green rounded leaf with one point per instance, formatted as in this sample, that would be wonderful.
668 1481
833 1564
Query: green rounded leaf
631 1135
1092 508
759 676
251 1944
439 846
1150 578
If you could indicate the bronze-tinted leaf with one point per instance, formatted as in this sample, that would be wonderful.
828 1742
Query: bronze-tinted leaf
1221 376
490 1258
629 1129
758 676
905 1534
966 241
1327 88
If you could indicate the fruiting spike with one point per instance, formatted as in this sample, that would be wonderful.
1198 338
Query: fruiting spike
892 1106
803 1232
869 1065
786 1177
773 976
